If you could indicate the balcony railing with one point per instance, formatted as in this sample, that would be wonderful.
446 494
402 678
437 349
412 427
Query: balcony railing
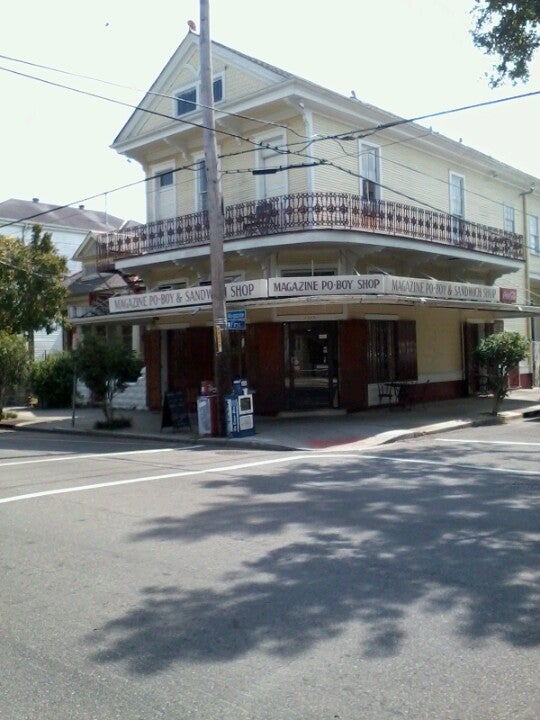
299 212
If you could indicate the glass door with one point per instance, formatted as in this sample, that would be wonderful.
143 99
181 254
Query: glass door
311 372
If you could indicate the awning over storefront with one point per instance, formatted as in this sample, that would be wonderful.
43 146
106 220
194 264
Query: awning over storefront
306 291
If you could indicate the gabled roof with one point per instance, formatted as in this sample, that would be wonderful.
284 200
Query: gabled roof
299 87
75 218
188 44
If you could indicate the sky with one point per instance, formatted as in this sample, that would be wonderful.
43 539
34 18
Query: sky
410 57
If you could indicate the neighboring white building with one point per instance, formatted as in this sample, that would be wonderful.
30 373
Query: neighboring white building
69 226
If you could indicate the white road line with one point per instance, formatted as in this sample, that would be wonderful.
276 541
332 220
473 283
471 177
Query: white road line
260 463
60 458
150 478
491 442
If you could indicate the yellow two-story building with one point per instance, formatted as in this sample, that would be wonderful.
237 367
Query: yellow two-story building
360 249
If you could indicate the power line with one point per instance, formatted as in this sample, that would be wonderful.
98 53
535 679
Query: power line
191 123
148 92
353 135
279 149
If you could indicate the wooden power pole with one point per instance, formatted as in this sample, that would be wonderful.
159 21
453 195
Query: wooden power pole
222 348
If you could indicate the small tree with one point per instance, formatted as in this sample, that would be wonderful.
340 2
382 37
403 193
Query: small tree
499 353
13 364
32 281
106 368
51 380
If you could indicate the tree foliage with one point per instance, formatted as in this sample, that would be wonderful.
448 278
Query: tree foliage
106 368
499 354
13 364
32 281
511 31
51 380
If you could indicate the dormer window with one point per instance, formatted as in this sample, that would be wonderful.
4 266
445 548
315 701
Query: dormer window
186 100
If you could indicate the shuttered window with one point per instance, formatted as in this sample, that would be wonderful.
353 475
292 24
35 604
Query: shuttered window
391 350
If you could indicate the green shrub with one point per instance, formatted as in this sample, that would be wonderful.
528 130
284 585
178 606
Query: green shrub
52 380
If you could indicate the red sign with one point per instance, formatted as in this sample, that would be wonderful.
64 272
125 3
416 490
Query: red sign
508 295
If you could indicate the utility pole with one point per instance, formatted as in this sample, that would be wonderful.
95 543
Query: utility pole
222 348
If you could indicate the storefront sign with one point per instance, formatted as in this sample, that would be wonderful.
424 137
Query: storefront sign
440 289
319 286
200 295
326 285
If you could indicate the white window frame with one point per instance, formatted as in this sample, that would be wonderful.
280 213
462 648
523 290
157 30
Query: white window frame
534 234
274 141
451 176
318 270
230 277
509 218
197 191
157 171
363 148
185 89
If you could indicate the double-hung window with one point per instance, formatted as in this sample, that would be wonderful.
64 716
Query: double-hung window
509 219
370 172
186 100
534 237
202 186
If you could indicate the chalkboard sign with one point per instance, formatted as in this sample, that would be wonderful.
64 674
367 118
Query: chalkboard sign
175 413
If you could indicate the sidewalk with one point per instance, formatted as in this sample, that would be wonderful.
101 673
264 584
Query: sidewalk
329 430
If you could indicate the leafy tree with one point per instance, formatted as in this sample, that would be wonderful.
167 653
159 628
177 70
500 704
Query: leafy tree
51 380
13 363
32 281
511 31
106 368
499 353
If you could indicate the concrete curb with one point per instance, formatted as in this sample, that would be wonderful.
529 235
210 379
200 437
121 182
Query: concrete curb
384 438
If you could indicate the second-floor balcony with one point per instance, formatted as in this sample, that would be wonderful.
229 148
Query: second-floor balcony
300 212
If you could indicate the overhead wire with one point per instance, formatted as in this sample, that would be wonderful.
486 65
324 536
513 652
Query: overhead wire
153 93
284 149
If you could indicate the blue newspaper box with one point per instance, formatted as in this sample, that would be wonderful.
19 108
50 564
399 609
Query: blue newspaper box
239 411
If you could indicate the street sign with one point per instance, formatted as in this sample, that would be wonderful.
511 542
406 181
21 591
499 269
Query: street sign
236 319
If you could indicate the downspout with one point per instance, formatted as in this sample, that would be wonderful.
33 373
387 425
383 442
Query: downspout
526 249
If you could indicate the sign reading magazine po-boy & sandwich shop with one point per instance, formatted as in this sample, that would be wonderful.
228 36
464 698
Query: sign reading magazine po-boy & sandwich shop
319 286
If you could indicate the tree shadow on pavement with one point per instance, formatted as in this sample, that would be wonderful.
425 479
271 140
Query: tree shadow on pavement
359 541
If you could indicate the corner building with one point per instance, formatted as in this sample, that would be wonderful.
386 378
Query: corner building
361 249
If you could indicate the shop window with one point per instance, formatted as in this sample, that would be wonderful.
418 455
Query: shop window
308 272
126 332
391 350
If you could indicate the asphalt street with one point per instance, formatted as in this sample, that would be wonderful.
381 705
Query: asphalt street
142 581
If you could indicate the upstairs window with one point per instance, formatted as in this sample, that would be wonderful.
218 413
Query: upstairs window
186 100
534 237
457 195
308 272
509 219
370 172
166 179
202 186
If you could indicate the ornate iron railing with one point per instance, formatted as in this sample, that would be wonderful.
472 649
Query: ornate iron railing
299 212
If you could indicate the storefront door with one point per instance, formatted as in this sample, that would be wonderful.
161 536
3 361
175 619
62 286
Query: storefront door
311 367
